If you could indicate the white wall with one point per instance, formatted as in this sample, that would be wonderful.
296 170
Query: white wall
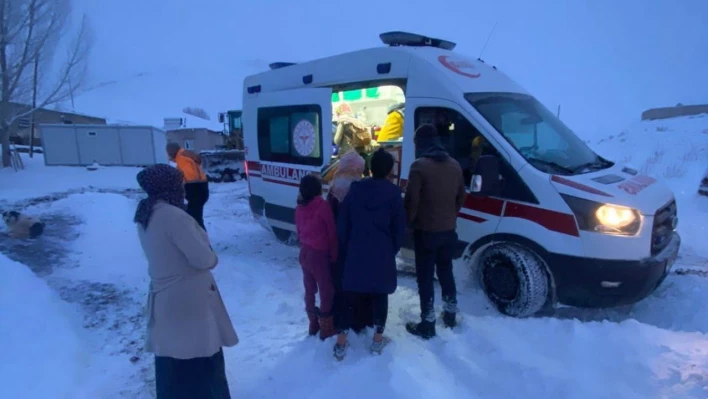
159 138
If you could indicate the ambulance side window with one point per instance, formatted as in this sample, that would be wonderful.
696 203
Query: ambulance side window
461 139
290 134
465 143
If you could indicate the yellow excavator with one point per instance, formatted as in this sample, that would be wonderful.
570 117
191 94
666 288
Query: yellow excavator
234 130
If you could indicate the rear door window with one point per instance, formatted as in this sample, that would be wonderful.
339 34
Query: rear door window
290 134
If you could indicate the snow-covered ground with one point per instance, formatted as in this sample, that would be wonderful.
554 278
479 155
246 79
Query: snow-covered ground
72 321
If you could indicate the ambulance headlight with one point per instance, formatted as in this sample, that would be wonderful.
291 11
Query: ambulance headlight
604 218
615 217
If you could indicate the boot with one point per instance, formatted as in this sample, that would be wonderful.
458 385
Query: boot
340 351
327 327
377 346
341 346
424 329
314 327
449 319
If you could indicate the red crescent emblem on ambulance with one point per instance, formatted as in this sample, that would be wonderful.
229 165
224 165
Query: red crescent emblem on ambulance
458 66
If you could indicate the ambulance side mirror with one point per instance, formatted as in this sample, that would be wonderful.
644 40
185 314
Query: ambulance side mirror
485 179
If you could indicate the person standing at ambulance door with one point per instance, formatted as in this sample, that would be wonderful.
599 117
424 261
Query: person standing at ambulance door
318 251
434 195
371 227
349 170
196 185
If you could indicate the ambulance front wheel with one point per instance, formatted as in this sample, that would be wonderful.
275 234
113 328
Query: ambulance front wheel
514 279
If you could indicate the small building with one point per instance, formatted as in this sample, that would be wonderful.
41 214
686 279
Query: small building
194 133
20 129
82 145
674 112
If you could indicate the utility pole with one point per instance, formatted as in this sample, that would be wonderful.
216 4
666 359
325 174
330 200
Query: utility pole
34 105
558 115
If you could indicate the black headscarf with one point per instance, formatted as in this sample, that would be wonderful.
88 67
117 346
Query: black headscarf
428 144
161 182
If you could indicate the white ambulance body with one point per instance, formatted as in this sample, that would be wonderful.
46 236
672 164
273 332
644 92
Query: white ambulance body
557 224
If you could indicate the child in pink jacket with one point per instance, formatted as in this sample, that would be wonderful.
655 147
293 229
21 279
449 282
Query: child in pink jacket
317 233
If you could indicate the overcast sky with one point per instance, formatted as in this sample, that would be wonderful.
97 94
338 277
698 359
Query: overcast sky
603 61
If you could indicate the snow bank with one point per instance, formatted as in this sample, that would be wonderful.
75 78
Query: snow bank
38 180
676 152
42 355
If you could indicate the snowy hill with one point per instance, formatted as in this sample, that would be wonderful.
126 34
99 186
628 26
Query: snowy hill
675 151
148 98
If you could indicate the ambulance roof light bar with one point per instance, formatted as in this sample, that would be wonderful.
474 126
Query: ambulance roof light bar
398 38
278 65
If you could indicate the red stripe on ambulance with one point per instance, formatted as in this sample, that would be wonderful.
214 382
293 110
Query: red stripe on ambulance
492 206
287 183
578 186
555 221
471 218
253 166
552 220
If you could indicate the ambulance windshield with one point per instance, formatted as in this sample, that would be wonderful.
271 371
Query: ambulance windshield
539 136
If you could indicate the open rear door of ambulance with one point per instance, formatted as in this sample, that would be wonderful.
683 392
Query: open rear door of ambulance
288 134
296 123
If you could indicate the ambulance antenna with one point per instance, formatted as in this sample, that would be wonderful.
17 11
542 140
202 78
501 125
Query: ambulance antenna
487 41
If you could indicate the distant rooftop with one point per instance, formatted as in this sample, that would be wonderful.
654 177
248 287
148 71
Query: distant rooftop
187 121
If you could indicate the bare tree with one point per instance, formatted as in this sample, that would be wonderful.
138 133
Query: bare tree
38 32
197 111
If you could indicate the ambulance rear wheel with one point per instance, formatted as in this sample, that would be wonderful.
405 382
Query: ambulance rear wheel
285 236
514 279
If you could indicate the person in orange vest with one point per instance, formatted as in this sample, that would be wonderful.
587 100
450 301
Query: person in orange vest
196 186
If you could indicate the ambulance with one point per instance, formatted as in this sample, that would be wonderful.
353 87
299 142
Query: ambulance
546 221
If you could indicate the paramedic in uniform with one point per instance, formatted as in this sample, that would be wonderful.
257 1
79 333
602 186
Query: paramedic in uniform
434 195
196 186
392 128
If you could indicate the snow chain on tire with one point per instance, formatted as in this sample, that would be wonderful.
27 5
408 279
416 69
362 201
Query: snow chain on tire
531 273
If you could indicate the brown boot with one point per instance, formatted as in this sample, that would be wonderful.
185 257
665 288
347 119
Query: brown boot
314 327
327 325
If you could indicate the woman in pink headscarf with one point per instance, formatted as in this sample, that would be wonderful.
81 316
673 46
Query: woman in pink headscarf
350 169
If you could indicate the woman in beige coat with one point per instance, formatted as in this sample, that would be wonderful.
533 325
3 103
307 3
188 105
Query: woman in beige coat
187 321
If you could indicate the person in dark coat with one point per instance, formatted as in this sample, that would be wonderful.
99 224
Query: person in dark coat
371 226
434 195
